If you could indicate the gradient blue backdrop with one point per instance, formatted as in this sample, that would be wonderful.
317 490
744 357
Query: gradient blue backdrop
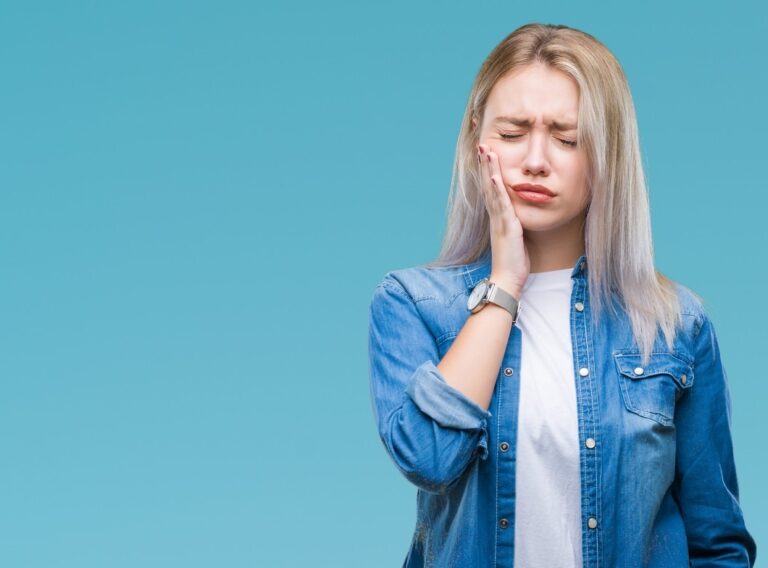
196 202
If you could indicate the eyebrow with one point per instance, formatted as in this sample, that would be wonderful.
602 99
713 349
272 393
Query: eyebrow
561 126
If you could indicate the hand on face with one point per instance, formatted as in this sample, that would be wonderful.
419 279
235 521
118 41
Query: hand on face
510 262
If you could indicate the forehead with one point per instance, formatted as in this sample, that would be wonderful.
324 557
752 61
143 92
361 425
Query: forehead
535 92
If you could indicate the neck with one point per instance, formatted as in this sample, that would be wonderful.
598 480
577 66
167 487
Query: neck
556 249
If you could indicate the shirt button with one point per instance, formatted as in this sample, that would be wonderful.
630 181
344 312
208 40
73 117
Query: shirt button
503 446
583 371
592 522
579 307
503 523
638 370
683 379
590 443
508 371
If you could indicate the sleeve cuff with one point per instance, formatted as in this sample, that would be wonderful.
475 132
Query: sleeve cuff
443 403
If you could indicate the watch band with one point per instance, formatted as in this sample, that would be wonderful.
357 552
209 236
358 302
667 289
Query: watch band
500 297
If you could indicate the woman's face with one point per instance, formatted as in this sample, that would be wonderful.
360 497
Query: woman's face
530 123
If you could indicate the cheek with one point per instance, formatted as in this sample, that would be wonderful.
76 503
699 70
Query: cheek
576 171
509 156
579 166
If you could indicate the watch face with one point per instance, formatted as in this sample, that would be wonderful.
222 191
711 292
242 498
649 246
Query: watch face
478 293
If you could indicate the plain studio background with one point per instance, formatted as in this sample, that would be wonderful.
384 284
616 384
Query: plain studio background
196 202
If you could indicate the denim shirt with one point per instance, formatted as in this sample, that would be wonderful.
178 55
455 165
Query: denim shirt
658 479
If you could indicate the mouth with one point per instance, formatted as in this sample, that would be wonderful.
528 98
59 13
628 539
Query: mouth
533 188
533 193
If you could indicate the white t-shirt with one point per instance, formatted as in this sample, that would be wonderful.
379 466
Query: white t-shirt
548 482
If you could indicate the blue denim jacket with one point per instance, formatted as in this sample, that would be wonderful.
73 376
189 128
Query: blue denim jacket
659 487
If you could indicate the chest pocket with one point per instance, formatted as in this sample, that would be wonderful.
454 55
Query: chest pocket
652 390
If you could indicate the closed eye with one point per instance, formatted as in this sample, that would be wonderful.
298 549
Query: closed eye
569 143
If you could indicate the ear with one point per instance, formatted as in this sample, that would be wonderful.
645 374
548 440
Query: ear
474 123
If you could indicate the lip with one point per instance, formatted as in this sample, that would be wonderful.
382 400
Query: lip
533 193
530 187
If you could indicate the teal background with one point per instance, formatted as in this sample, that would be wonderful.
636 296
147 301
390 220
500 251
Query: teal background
196 202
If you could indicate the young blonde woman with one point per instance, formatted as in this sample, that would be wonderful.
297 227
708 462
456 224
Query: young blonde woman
556 400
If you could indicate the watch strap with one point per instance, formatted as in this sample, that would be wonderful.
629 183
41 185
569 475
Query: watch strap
500 297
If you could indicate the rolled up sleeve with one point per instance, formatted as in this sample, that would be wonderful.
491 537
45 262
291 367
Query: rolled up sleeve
706 486
431 430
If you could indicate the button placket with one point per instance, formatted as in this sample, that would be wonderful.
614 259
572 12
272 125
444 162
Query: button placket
589 430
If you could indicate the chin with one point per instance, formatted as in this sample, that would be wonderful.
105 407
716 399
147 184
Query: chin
540 225
536 220
544 223
536 227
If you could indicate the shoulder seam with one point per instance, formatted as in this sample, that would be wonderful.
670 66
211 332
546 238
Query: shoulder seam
701 318
391 283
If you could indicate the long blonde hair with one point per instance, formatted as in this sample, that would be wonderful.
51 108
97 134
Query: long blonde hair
617 230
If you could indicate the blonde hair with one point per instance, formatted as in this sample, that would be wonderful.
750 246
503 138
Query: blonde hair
617 230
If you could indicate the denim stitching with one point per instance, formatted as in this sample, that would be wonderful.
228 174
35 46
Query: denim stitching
448 335
626 379
595 398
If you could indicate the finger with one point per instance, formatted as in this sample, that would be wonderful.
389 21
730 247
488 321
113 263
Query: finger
496 182
504 201
494 173
486 187
490 183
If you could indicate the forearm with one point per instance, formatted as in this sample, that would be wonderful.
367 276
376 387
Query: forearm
431 430
472 363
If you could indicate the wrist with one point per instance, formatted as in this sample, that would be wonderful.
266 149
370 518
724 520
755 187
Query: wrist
509 285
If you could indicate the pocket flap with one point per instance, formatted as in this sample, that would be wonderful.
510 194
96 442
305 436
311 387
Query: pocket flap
630 365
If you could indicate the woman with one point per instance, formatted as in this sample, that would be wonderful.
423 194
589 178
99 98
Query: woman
556 400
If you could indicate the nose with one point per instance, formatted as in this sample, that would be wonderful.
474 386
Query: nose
536 161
